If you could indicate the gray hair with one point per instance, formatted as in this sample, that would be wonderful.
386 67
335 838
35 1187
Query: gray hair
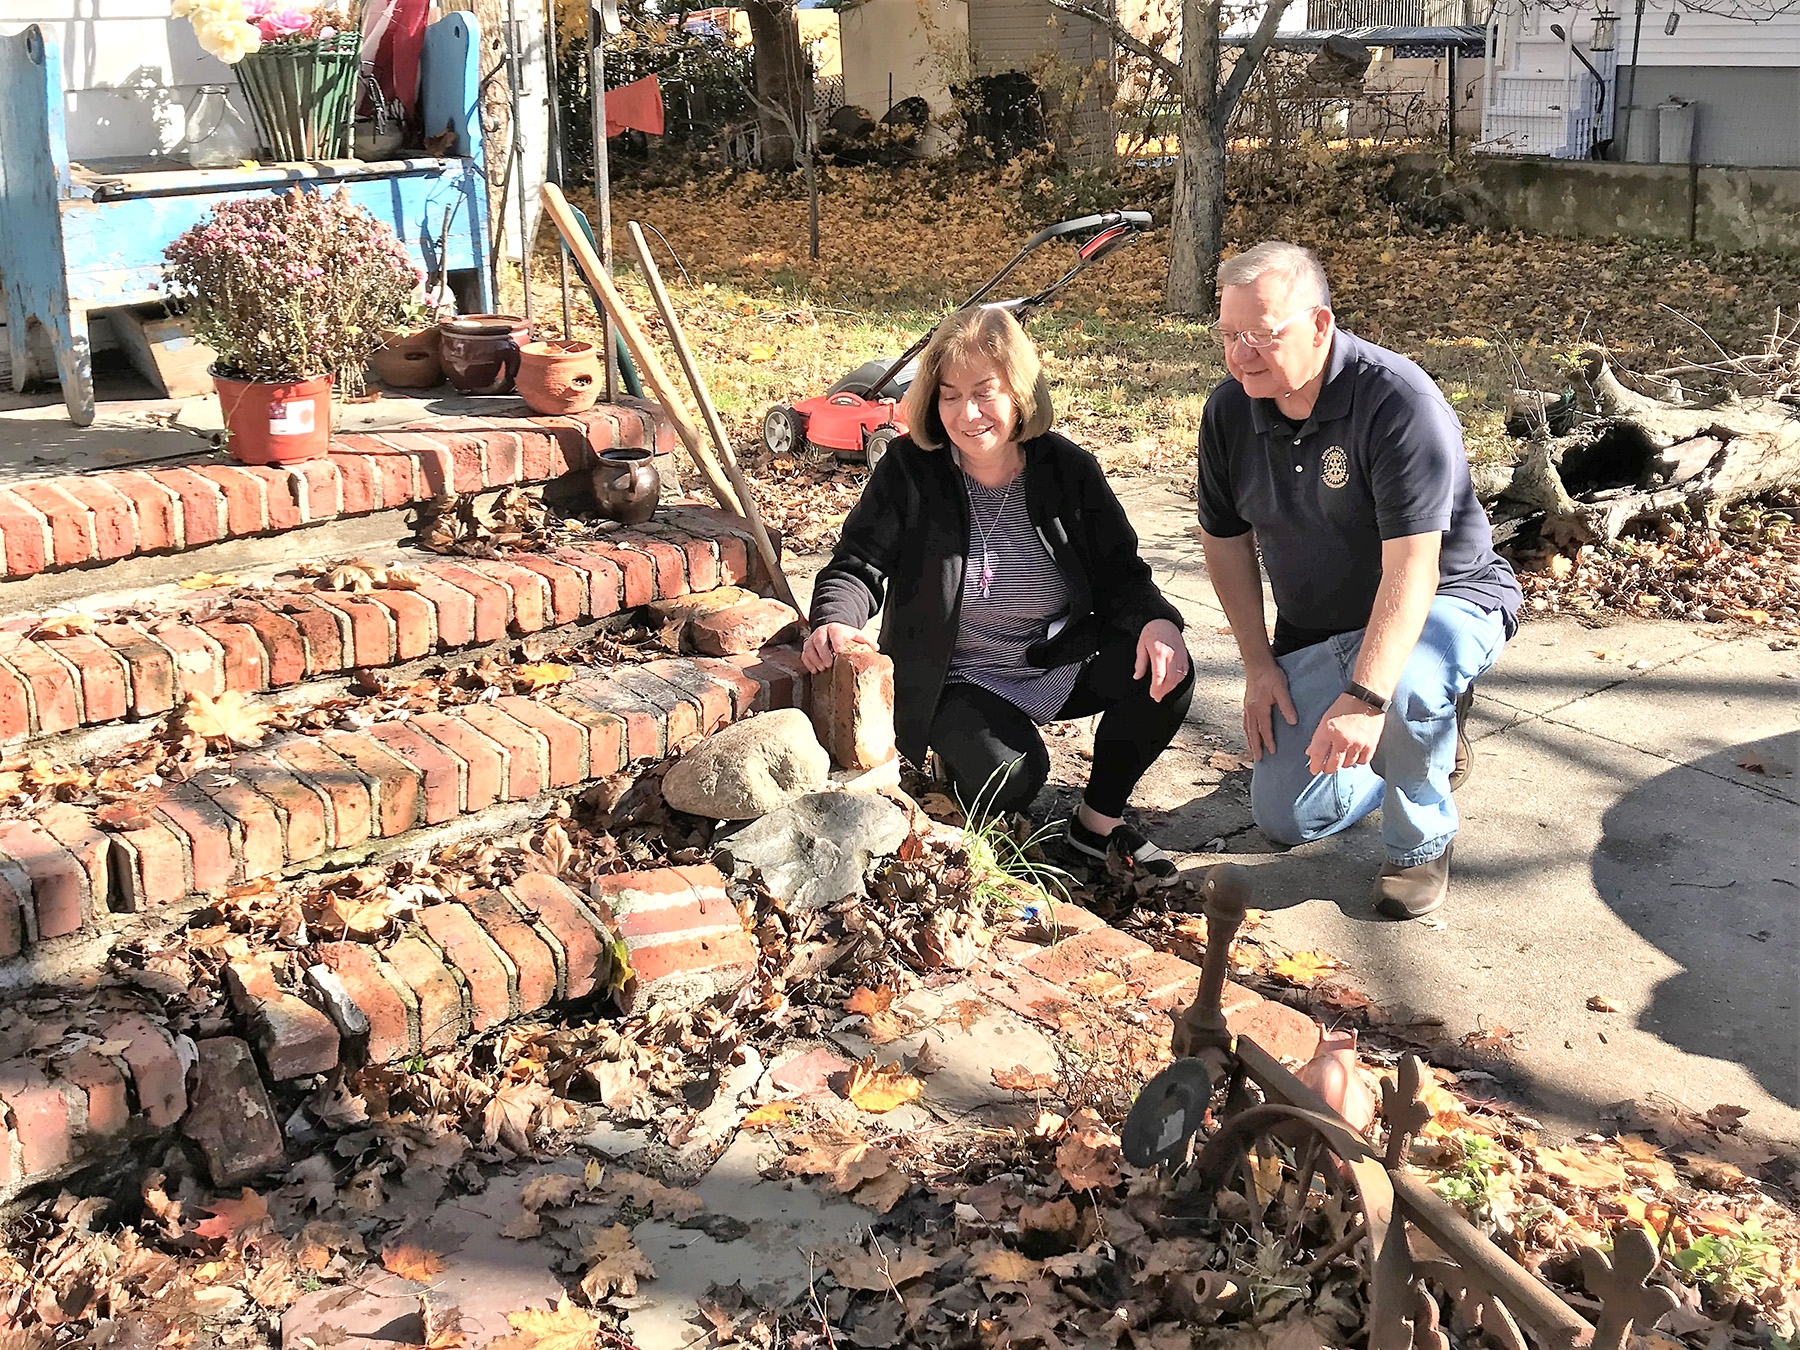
1298 266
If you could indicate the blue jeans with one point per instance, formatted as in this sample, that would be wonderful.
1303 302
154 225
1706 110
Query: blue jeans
1409 778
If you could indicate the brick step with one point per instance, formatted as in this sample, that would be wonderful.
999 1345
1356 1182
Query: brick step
80 521
308 802
135 665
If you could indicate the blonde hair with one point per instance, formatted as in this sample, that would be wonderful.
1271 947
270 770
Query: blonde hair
1297 266
979 334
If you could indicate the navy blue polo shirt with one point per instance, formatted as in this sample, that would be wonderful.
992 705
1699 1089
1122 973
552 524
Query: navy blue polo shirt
1381 457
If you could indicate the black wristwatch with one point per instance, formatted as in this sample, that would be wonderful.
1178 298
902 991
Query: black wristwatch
1368 696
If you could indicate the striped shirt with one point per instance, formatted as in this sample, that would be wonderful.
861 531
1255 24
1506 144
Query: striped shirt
1024 596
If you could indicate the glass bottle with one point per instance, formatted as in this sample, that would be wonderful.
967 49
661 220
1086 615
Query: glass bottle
216 136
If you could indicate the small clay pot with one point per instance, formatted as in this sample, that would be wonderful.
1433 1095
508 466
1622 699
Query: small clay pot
559 377
1332 1072
408 360
480 352
627 486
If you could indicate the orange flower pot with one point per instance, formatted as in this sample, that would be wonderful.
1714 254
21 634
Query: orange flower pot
276 423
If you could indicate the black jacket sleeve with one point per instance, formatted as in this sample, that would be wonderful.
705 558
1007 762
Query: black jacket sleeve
851 586
1125 592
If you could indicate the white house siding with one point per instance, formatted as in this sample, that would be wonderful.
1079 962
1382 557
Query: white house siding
1026 34
915 47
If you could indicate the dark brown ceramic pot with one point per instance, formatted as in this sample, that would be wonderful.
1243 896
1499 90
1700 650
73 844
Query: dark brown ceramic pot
627 486
408 360
558 378
480 352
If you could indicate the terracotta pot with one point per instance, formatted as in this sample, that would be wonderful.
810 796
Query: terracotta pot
627 486
559 377
408 360
1332 1072
480 352
282 423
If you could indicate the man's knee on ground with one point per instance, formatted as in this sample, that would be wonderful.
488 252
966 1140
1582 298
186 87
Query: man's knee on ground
1274 808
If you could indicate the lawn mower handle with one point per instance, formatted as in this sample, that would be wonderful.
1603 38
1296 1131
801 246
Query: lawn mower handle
1137 219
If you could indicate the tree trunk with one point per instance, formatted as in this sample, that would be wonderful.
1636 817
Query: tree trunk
1197 224
783 79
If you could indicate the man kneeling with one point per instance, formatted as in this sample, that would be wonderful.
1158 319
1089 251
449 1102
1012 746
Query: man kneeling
1344 465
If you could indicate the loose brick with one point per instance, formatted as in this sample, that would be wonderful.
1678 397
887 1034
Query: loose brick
486 970
258 830
105 695
585 940
114 518
637 573
605 582
204 514
398 786
745 627
683 609
230 1117
691 970
567 585
1067 961
605 734
15 704
526 753
371 627
321 631
413 636
59 883
295 1038
345 789
1025 994
55 688
441 771
359 483
71 524
439 995
302 807
493 602
565 738
853 709
284 647
157 507
150 865
246 511
102 1087
27 537
73 827
664 901
246 663
15 911
453 610
281 496
157 1076
199 660
372 988
1282 1031
484 762
149 668
534 964
40 1114
1163 981
209 832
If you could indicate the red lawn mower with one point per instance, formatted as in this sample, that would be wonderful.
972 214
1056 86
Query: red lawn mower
860 416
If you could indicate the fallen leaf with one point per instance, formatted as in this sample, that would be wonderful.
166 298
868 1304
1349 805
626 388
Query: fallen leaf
1601 1003
412 1262
225 718
617 1264
769 1115
1572 1165
882 1269
564 1327
63 625
551 1192
1018 1078
882 1193
847 1163
231 1217
543 676
1058 1216
205 581
880 1088
1001 1264
1305 968
1089 1158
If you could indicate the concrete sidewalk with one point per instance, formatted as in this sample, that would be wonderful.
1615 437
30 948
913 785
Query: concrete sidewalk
1612 845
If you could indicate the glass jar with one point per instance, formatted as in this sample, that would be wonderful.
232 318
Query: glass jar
216 136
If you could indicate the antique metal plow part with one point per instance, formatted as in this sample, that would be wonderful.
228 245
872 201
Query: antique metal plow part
1487 1289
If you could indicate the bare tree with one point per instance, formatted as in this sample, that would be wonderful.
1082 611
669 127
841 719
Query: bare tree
781 76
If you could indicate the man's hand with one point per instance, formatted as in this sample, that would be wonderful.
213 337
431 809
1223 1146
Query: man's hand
826 642
1265 689
1161 652
1347 736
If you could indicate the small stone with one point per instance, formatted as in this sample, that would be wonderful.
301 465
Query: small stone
815 851
749 768
352 1022
230 1117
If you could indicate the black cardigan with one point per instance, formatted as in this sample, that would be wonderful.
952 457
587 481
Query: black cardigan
908 538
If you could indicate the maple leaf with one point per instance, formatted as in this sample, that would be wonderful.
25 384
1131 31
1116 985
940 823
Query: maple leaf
401 579
1572 1165
412 1262
666 1202
847 1163
551 1192
231 1217
545 675
882 1193
769 1115
989 1261
1601 1003
63 625
1018 1078
225 718
1305 968
556 846
564 1327
509 1113
1089 1158
878 1089
882 1269
617 1264
868 1001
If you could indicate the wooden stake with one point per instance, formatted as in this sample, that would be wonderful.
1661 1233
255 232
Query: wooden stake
721 442
648 363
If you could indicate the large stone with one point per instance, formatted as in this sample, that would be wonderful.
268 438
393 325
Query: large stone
230 1116
749 768
814 851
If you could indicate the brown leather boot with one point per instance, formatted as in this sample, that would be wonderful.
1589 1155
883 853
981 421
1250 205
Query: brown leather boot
1413 892
1465 752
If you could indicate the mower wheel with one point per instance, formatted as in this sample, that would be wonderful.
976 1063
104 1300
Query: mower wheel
877 442
783 431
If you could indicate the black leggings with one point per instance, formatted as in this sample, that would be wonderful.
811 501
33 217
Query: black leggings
977 733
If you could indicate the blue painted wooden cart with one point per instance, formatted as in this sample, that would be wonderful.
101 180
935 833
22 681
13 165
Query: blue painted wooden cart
81 237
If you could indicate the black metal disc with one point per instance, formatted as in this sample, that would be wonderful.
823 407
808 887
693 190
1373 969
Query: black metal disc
1167 1113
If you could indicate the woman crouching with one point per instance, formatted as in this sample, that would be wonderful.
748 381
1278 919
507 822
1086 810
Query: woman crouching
1013 591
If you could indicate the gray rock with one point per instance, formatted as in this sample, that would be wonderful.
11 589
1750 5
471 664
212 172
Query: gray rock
749 768
814 851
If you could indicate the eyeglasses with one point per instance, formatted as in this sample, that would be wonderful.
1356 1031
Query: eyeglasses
1255 338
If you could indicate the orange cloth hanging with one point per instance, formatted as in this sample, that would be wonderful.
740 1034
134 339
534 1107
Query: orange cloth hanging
637 106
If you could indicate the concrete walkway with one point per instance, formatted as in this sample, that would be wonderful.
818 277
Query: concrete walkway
1612 845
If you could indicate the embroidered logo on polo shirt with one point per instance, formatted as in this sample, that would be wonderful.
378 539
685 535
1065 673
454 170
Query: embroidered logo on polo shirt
1334 468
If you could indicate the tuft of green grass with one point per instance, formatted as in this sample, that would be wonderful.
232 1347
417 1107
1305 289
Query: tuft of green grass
1009 873
1732 1264
1468 1183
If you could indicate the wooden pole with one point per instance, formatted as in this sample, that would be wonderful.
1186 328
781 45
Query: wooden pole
710 414
649 365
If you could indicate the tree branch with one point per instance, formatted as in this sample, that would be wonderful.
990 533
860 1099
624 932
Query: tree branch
1169 70
1246 64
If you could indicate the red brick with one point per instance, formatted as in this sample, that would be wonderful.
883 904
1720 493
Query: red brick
283 645
644 727
439 996
73 827
586 945
670 563
784 681
230 1116
534 965
468 947
525 752
199 660
40 1114
59 883
726 958
149 666
246 663
744 627
664 902
13 911
1282 1031
155 506
436 474
157 1077
345 789
713 698
1072 919
493 602
212 859
441 771
702 562
1067 961
484 762
371 627
245 508
605 582
390 1031
102 1085
71 525
321 634
280 497
27 537
396 471
114 518
567 585
853 708
605 734
505 458
538 446
566 739
15 704
744 690
55 689
104 693
1030 997
262 847
302 807
323 487
204 514
359 483
150 863
411 619
295 1038
636 569
1163 981
468 461
398 785
528 589
453 610
739 563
